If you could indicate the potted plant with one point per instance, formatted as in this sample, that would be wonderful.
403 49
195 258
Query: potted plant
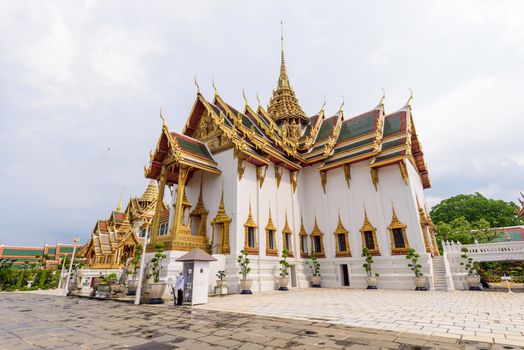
371 279
157 288
283 280
221 283
420 279
472 277
104 285
314 267
243 262
135 264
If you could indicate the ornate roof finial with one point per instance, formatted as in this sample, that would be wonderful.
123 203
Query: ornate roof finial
162 117
341 110
244 95
258 99
410 100
196 84
214 87
383 98
119 205
283 104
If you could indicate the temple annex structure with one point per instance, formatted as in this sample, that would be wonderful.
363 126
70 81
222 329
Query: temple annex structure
265 179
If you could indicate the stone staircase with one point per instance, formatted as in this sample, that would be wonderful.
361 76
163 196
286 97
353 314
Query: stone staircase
439 274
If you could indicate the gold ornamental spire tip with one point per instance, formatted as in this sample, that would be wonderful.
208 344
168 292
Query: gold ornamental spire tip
410 100
258 99
383 98
162 117
244 95
196 84
214 87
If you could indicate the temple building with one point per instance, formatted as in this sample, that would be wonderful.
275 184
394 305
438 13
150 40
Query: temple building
113 241
27 255
265 179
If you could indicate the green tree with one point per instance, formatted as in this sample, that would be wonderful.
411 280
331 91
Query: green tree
474 207
465 232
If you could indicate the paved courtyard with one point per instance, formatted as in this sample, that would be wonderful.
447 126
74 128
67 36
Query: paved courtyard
481 316
31 321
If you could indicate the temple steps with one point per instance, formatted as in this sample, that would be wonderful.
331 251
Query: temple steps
439 274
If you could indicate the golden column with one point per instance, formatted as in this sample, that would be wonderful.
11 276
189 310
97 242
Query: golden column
159 204
183 171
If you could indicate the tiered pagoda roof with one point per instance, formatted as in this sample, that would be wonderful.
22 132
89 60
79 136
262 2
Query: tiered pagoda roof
261 136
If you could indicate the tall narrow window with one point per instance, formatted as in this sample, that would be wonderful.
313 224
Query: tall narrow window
397 232
341 242
369 236
304 251
271 245
286 237
271 240
368 240
317 246
250 238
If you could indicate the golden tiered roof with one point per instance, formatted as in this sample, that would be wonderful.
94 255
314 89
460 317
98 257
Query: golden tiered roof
151 192
283 104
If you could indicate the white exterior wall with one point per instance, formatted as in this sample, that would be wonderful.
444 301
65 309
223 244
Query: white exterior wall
310 200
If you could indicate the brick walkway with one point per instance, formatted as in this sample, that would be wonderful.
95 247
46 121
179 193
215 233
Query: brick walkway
479 316
30 321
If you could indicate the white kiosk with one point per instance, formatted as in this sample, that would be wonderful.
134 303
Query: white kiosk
196 275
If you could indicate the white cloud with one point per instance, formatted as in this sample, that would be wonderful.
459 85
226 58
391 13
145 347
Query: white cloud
81 84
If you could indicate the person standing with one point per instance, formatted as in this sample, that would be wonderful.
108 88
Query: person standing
180 288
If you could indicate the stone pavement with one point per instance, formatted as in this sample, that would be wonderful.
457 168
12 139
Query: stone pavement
30 321
469 315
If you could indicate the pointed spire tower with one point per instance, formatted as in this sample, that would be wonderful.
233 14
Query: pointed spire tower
283 105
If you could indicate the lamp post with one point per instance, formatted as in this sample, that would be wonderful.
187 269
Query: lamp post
66 289
61 273
141 272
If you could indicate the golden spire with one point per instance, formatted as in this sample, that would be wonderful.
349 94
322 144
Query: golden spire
286 228
302 228
151 192
221 207
283 104
119 205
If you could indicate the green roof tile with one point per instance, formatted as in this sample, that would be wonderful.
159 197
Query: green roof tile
392 124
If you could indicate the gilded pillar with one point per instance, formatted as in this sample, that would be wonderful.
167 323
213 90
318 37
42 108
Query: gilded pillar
183 171
159 204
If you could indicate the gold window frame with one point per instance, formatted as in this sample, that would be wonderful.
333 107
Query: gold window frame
250 223
396 224
302 235
271 227
341 230
368 227
287 231
317 233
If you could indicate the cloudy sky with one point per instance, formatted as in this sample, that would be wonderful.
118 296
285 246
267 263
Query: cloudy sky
81 84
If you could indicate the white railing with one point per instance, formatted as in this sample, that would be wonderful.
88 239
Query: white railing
498 251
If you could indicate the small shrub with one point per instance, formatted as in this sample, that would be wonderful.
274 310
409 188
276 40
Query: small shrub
284 264
243 261
413 256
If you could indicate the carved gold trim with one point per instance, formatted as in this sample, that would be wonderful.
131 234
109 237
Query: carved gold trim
366 226
250 223
270 226
287 231
293 177
201 212
374 177
241 167
261 175
403 171
323 180
396 224
278 174
347 173
341 230
317 233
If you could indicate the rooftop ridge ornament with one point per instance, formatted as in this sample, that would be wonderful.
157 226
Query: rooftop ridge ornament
162 117
245 98
382 99
410 99
258 99
197 86
214 87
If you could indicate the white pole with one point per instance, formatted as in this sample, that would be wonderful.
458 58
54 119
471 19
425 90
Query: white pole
141 272
66 289
61 273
